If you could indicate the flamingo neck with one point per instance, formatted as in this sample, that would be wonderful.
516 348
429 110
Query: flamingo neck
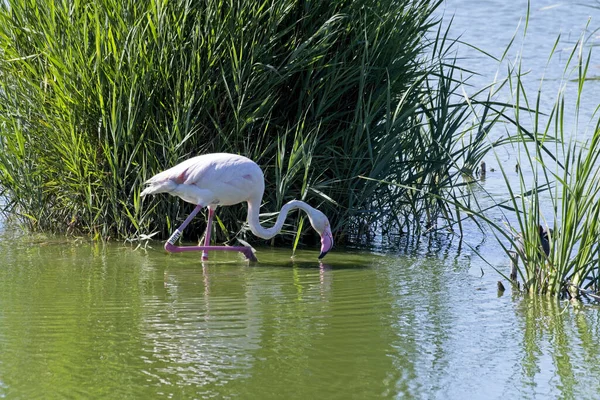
268 233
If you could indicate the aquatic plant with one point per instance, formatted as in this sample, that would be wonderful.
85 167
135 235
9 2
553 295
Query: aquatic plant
96 97
562 195
551 215
548 224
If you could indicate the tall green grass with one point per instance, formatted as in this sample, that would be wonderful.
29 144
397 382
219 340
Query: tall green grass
98 96
557 190
564 194
558 184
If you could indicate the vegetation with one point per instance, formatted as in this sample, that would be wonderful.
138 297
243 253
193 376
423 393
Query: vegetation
550 224
563 195
98 96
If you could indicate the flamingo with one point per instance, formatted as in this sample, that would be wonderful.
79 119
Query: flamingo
222 179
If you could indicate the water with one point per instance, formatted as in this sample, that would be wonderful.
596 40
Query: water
81 320
490 26
106 321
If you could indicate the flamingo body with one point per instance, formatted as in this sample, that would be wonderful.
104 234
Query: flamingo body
211 180
223 179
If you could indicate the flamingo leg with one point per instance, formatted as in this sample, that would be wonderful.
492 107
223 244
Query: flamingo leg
173 239
171 248
211 214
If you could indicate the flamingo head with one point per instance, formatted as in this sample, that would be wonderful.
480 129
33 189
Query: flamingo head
326 241
321 224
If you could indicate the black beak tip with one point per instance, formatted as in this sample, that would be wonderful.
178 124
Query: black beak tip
323 254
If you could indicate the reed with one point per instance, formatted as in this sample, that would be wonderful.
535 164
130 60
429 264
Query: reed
550 226
563 195
98 96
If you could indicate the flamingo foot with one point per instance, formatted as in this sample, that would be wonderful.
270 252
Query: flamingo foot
246 251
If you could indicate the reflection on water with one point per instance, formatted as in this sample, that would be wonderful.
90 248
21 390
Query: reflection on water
106 321
552 335
226 324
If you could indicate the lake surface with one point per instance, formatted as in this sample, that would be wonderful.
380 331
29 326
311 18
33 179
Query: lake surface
80 320
84 320
490 26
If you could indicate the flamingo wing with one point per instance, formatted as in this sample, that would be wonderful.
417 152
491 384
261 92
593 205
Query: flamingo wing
210 179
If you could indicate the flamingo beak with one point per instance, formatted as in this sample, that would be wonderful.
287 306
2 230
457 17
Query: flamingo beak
326 241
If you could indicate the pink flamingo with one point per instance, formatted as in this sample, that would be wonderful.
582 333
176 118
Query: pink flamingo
222 179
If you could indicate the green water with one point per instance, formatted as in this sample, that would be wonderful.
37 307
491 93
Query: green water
105 321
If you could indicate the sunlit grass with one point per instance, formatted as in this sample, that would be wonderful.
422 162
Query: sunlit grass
550 222
563 193
97 97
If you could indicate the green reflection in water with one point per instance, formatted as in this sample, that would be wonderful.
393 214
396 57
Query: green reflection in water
97 321
554 334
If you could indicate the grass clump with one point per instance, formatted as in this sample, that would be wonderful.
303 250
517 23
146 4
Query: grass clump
563 199
98 96
549 223
552 212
